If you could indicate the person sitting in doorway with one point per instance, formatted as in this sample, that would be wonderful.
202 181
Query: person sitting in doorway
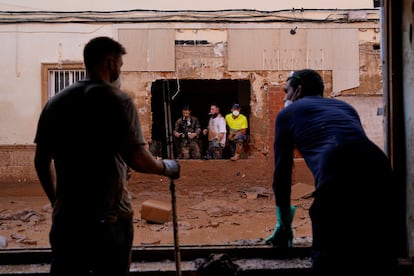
216 132
187 130
237 125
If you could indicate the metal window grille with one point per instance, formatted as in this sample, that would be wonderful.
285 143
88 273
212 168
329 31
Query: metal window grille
59 79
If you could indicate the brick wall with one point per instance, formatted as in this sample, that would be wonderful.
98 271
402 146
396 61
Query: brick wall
16 163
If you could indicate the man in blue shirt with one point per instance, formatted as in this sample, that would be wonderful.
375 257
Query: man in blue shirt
352 212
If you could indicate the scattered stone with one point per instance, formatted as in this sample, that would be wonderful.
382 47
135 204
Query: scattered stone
24 215
18 237
182 225
214 224
47 208
156 241
3 242
248 242
218 208
227 209
302 191
28 242
255 192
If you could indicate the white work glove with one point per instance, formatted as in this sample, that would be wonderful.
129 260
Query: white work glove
171 168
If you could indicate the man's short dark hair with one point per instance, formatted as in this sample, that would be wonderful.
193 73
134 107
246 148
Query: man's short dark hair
215 104
186 107
98 48
310 80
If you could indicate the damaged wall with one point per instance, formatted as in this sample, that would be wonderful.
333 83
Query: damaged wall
211 62
207 58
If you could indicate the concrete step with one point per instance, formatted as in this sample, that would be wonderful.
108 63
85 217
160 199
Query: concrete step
160 260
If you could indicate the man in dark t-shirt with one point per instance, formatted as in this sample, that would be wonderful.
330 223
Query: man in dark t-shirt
187 131
88 137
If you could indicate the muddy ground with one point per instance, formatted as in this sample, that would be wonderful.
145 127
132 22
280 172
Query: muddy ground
218 202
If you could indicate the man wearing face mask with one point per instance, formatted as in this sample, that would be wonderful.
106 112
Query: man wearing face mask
237 125
352 177
88 138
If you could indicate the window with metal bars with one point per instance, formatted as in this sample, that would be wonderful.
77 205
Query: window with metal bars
60 78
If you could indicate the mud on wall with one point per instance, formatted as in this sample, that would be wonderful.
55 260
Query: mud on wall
193 62
211 66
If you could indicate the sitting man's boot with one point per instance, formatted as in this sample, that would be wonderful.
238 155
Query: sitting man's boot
185 153
237 152
235 157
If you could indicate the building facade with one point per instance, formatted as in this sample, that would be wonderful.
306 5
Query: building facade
196 57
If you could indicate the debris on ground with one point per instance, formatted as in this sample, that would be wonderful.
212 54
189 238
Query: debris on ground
218 208
218 262
19 238
3 242
256 192
218 202
25 215
301 191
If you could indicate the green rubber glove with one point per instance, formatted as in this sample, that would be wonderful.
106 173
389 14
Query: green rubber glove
282 235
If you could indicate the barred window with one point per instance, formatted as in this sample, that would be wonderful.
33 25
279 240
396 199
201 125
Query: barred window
59 79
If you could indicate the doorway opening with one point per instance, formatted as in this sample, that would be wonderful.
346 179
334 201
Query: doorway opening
170 96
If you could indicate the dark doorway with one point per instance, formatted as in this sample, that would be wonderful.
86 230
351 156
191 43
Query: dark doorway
199 95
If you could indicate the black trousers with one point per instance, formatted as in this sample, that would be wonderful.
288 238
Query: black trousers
354 213
101 247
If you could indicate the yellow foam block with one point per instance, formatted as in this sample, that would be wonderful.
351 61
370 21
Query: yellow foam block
156 211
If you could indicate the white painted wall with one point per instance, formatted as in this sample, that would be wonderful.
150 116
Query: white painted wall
367 108
24 48
108 5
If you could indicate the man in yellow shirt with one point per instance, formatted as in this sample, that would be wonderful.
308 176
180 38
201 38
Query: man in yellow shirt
237 127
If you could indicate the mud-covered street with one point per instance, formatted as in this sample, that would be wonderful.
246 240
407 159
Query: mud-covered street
218 202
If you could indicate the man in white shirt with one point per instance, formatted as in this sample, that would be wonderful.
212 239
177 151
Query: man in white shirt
216 133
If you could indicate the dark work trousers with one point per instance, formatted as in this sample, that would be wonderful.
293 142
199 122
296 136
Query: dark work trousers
91 248
190 149
353 213
214 151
